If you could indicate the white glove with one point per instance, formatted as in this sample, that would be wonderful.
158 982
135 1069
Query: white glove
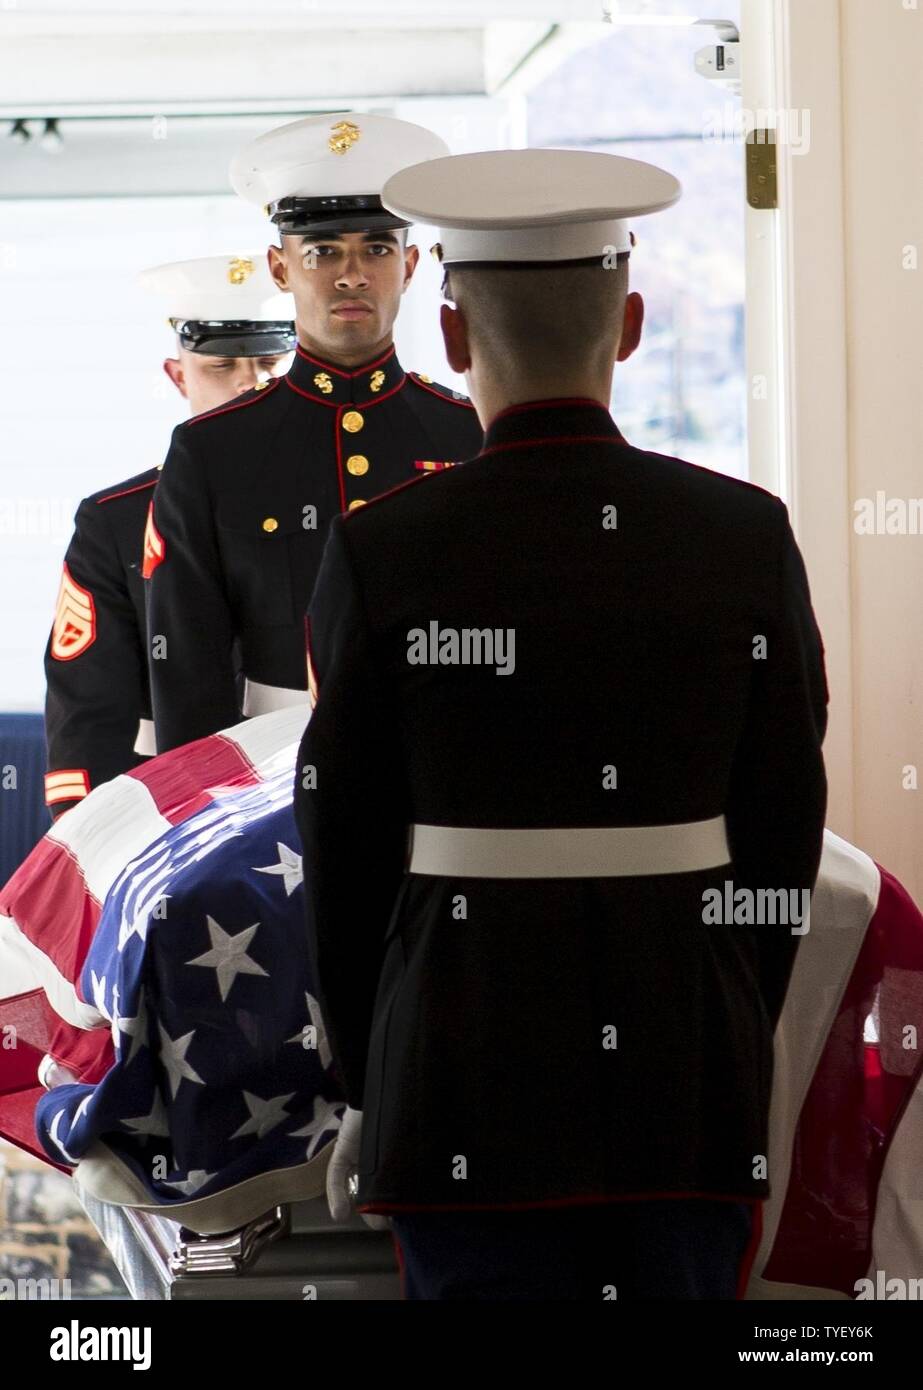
51 1073
342 1166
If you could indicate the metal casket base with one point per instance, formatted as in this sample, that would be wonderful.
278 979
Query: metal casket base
294 1251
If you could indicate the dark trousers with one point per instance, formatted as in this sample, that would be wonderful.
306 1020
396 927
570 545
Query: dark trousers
628 1250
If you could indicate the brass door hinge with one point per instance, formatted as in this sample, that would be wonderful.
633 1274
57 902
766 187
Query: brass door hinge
762 179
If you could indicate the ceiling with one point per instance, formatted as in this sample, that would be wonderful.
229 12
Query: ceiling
154 100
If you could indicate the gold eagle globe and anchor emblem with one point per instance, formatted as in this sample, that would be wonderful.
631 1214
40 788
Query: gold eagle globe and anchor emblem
323 383
343 136
376 381
239 269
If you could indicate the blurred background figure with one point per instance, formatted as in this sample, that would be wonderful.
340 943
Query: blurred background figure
233 330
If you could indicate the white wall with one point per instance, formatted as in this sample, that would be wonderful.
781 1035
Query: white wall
856 221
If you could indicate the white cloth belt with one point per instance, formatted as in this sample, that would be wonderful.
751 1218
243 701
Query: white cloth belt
450 851
145 743
263 699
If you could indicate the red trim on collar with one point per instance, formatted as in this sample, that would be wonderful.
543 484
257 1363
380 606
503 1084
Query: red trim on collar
345 405
338 371
557 439
554 403
139 487
237 405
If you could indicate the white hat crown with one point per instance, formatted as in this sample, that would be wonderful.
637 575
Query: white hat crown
531 206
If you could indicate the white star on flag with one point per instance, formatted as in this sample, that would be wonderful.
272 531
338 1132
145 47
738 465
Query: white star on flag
324 1117
53 1135
136 1028
289 866
81 1109
99 994
228 955
197 1178
314 1016
264 1114
153 1123
141 918
173 1055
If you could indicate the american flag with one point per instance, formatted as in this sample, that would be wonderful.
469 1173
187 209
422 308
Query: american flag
153 943
160 924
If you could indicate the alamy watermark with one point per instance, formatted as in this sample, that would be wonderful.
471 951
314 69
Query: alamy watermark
757 907
34 1290
731 122
465 646
888 516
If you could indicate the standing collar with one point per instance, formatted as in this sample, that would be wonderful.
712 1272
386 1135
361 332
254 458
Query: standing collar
330 385
541 422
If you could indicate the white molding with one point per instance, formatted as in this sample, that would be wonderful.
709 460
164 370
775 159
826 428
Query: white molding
813 330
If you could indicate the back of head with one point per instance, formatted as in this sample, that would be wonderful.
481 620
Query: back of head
527 323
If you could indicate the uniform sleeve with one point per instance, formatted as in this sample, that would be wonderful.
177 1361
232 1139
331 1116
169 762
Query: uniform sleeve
189 621
94 667
778 792
351 811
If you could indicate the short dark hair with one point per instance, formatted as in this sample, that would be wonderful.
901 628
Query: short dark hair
550 314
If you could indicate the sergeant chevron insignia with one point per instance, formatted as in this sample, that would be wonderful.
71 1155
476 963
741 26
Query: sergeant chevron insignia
74 621
154 548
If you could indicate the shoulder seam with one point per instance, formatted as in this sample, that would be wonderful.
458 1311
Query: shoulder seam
126 492
399 487
450 399
237 405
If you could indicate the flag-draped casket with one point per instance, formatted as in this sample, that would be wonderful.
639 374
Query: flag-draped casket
153 944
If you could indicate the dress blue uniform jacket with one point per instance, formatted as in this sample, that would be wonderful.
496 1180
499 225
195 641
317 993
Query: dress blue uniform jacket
467 1017
95 658
241 515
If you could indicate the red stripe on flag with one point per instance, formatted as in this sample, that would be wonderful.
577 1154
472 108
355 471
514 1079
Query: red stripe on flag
178 781
850 1114
49 900
36 1028
17 1122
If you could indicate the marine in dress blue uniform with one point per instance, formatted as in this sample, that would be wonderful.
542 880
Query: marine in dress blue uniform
97 705
582 695
247 492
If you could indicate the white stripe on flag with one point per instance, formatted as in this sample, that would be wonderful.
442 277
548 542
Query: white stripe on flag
842 906
897 1232
271 741
107 830
23 967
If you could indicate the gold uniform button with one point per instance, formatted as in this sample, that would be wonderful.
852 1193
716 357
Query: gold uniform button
261 386
270 524
359 502
357 465
353 421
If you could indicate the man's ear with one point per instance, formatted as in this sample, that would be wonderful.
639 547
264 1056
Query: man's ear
411 258
174 370
455 337
632 324
275 259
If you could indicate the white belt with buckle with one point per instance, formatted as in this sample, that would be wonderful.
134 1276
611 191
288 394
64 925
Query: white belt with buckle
450 851
263 699
145 743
